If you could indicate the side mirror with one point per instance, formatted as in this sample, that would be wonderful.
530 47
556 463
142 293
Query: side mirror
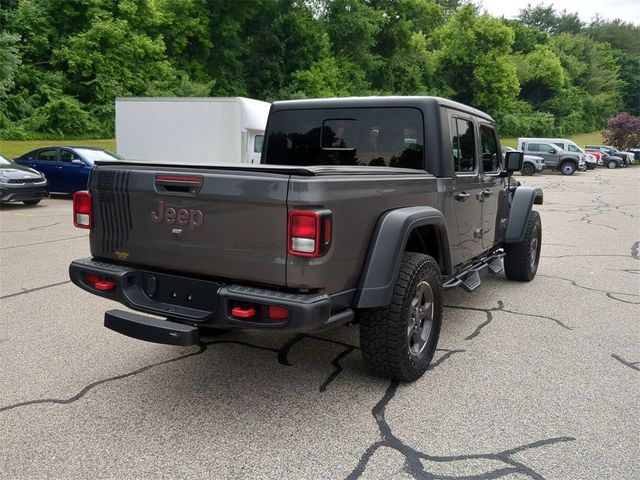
513 161
553 151
77 162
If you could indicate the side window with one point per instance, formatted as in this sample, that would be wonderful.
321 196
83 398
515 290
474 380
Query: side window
464 146
572 148
559 145
544 148
491 159
67 156
257 144
48 155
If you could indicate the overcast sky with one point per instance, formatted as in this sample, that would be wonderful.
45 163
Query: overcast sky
627 10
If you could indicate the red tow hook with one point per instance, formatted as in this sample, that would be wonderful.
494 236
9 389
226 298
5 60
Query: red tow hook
104 286
243 312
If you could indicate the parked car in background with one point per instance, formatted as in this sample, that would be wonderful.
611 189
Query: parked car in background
626 157
531 163
636 154
606 160
554 156
66 168
597 154
590 161
570 146
21 184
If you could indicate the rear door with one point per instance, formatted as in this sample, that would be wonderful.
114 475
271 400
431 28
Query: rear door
256 148
229 224
467 185
45 160
74 175
492 186
546 151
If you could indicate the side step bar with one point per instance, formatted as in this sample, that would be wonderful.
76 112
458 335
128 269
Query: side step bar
471 278
151 329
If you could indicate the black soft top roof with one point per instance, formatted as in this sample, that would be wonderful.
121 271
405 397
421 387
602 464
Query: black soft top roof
425 103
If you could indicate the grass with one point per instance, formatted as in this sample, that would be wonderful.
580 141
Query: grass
582 139
15 148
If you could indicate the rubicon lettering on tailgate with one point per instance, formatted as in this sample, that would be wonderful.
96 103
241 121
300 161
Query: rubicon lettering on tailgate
192 218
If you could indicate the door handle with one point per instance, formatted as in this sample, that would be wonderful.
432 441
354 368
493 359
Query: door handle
484 194
462 196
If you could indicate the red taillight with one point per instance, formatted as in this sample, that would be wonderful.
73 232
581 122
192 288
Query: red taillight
82 217
278 313
304 225
309 232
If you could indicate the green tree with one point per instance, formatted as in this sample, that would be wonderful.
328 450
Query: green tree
625 39
619 34
353 28
540 73
540 16
526 37
285 43
117 54
547 20
403 46
473 59
568 23
9 62
187 34
592 68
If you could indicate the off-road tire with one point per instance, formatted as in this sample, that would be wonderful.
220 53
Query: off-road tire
612 164
31 202
384 331
528 169
519 263
567 168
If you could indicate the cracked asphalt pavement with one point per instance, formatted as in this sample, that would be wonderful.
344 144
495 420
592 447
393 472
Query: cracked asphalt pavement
537 380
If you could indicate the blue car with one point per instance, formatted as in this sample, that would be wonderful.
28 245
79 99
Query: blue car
66 168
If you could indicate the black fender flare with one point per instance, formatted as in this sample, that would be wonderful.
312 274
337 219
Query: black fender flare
521 203
385 251
575 161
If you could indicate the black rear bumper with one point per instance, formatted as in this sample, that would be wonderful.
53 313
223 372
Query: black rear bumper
197 302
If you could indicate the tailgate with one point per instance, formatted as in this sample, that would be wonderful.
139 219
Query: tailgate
222 223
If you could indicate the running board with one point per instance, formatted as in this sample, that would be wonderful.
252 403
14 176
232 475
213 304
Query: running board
471 278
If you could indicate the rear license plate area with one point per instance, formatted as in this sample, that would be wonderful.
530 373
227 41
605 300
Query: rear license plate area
180 291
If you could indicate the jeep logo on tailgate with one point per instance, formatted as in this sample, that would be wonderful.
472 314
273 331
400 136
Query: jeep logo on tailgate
187 218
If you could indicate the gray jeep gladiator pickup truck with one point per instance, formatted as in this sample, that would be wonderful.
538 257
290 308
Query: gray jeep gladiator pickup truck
363 210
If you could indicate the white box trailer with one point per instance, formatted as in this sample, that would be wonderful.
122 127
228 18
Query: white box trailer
190 130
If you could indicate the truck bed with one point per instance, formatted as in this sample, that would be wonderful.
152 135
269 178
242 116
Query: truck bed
229 222
309 171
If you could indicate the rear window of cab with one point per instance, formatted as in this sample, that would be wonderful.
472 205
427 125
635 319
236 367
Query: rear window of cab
391 137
